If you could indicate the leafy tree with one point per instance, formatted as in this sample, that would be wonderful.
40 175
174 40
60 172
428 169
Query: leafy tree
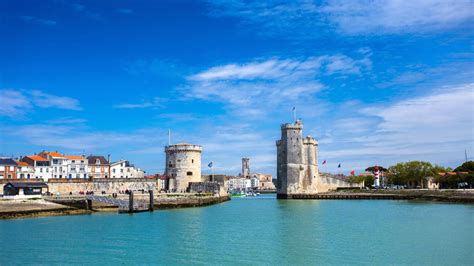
372 169
465 167
414 171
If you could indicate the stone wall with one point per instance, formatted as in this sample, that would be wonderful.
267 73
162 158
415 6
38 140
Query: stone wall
64 186
328 183
204 187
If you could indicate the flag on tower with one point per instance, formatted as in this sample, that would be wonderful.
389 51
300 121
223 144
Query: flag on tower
353 172
210 164
324 162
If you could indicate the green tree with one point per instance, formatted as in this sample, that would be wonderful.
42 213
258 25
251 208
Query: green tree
465 167
414 171
372 169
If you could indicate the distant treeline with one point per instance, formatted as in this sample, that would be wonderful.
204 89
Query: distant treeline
419 172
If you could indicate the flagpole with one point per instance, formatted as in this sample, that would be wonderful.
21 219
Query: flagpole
169 137
294 114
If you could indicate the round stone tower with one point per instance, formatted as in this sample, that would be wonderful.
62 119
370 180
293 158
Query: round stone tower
183 165
311 151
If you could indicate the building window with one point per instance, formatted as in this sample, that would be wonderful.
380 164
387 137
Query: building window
73 161
97 161
189 173
192 160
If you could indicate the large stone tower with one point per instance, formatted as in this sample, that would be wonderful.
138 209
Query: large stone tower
183 165
297 162
245 167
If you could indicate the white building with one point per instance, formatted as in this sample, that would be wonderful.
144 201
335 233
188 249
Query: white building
24 170
254 182
42 166
58 163
240 184
123 169
76 166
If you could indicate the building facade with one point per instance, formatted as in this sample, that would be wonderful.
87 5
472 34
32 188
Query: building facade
76 166
123 169
24 170
41 166
297 166
58 163
183 165
8 168
239 184
98 167
265 181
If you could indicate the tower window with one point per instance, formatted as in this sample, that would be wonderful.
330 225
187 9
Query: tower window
189 173
192 160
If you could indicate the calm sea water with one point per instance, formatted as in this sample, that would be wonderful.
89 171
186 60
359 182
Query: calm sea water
247 231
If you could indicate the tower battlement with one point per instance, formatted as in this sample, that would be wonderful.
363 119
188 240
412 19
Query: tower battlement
310 141
298 125
183 147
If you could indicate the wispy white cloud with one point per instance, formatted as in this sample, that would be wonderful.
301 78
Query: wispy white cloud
14 103
436 127
44 100
18 102
268 83
37 20
153 103
397 16
306 18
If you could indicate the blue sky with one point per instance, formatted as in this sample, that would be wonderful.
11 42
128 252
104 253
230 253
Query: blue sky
376 82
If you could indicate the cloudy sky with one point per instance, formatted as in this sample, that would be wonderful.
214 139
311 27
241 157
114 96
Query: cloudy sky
376 82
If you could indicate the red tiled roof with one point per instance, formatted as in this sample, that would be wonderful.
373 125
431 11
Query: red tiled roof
36 158
55 154
21 163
